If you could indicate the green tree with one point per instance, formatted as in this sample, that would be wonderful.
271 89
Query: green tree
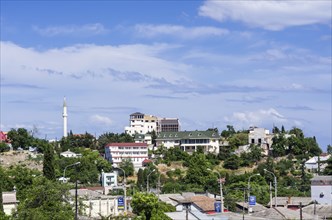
229 132
45 200
20 138
128 166
279 145
140 179
147 205
328 168
4 147
233 162
255 153
48 164
197 172
238 139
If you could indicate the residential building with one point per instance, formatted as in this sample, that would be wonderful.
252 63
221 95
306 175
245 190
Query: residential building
261 137
140 123
168 125
69 153
190 141
321 189
96 204
136 152
313 163
9 202
143 138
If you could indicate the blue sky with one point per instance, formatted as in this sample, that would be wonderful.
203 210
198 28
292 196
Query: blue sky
209 63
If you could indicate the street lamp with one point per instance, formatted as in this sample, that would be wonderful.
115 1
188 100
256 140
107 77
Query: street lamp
125 187
275 187
220 186
64 177
64 172
147 182
257 174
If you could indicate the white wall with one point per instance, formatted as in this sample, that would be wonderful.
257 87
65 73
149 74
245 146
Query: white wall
326 190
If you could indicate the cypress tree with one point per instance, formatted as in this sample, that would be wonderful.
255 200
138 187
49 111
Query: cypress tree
48 168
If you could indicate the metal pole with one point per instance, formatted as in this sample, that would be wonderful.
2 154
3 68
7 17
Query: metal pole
275 191
270 195
275 187
244 201
220 187
76 209
257 174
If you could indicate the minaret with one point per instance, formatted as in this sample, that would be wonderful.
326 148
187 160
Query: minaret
64 115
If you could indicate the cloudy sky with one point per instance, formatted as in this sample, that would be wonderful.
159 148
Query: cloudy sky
208 63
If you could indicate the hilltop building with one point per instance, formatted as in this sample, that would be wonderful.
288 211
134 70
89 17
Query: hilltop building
140 123
136 152
261 137
190 141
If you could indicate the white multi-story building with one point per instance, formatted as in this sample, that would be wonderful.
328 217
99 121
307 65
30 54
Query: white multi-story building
136 152
190 141
142 124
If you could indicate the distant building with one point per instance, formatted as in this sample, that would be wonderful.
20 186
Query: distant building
143 138
190 141
140 123
313 163
321 189
136 152
69 153
261 137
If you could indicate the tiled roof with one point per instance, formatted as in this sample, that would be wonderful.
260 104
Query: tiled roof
204 203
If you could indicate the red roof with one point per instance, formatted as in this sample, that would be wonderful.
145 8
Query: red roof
127 145
3 136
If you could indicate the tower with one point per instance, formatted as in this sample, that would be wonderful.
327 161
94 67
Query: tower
64 115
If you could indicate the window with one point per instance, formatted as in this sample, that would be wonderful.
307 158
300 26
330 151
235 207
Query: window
259 140
252 141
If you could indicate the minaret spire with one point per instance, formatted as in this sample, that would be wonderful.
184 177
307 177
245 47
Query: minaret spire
64 115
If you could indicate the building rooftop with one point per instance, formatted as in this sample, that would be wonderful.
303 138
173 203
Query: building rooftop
321 180
284 201
9 198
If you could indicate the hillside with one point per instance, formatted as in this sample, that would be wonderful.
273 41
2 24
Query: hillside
31 160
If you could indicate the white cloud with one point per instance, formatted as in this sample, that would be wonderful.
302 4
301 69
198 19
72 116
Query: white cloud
270 15
256 118
179 31
101 120
87 29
